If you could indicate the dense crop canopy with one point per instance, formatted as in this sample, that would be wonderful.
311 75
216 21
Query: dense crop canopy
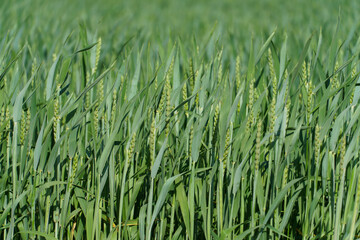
117 129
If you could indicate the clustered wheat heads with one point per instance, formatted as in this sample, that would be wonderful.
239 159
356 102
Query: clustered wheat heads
144 138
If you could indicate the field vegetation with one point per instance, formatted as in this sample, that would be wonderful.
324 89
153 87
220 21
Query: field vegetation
179 120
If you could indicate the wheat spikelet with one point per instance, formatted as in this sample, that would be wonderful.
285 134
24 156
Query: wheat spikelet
33 69
304 72
237 72
184 95
219 56
165 95
342 154
122 80
286 74
96 120
22 127
131 147
28 121
152 138
97 57
285 176
258 144
271 65
105 120
101 91
3 113
250 120
191 75
56 112
309 101
73 170
191 137
273 101
113 107
227 148
7 118
168 88
220 73
197 94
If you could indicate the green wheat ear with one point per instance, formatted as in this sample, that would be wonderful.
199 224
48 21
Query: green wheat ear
191 137
3 114
285 176
56 117
169 75
22 127
191 75
237 72
227 147
216 117
7 117
220 73
184 95
96 119
122 82
131 147
101 91
304 73
28 121
342 154
317 144
258 144
309 101
97 57
156 76
73 170
152 139
168 96
250 120
113 108
272 118
271 65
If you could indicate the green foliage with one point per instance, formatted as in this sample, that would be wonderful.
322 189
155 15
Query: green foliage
128 122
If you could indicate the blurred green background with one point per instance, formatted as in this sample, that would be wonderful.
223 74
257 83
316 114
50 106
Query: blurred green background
52 26
157 18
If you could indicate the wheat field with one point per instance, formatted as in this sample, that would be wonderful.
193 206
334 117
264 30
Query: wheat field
179 120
